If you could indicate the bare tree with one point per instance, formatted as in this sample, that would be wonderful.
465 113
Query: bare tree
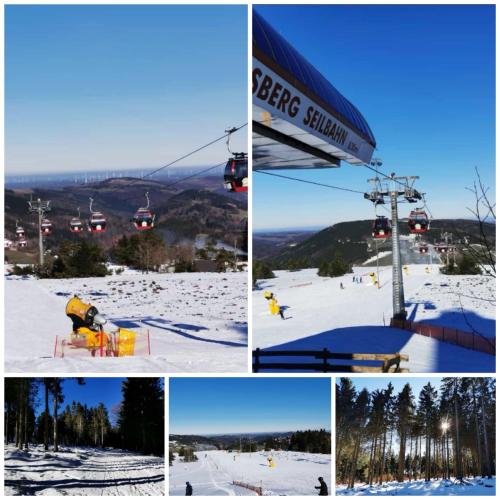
483 211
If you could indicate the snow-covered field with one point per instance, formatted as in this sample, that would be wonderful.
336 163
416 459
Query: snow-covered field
197 321
82 471
473 487
318 314
295 473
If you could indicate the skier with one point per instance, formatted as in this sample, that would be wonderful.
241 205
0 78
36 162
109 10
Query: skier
274 307
189 489
341 285
323 488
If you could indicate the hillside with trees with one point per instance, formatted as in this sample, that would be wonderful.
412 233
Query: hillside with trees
352 241
139 426
193 207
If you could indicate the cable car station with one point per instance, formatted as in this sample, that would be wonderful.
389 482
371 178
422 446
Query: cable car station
300 120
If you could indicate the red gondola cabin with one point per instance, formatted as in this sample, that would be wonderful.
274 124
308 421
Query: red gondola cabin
381 227
418 222
236 173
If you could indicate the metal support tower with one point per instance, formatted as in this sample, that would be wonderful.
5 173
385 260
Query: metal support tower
400 187
41 208
398 295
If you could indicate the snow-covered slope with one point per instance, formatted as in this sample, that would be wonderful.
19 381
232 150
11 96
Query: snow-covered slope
197 321
82 471
295 473
471 487
318 314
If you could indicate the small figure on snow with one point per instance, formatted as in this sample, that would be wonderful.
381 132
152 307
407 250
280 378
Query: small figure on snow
323 488
341 285
189 489
274 307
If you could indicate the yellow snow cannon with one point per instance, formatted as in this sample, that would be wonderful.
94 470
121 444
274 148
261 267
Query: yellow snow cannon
87 326
125 342
88 335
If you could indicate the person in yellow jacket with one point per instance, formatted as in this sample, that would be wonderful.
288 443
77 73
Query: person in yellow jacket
274 307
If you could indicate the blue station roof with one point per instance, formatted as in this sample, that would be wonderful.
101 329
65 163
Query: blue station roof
269 42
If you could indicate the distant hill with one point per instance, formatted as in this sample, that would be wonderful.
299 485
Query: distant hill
269 244
199 205
221 441
354 242
192 440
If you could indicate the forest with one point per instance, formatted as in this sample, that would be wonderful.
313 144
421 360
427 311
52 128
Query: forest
444 432
35 413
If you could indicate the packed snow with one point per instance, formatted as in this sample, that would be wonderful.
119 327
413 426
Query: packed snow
197 321
319 313
380 255
82 471
295 473
471 487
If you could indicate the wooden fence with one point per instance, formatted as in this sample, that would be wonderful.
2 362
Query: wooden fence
387 363
469 340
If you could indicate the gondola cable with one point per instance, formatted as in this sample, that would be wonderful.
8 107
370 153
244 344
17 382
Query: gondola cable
226 135
310 182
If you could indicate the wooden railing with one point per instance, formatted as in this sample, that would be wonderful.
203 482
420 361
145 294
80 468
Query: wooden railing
388 363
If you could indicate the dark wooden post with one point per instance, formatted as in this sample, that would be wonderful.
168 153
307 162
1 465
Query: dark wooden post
257 360
325 360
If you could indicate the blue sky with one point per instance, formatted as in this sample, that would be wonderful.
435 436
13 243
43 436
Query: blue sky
97 87
232 405
106 390
423 77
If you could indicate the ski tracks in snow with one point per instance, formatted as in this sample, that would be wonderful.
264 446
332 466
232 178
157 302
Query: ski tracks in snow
82 471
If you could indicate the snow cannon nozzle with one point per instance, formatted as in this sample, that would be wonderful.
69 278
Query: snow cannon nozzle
100 320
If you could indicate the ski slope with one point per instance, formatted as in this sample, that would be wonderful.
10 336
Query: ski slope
197 321
319 314
82 471
295 473
473 487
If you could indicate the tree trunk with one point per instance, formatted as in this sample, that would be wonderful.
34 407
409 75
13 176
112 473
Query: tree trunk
401 458
372 458
55 401
485 437
382 461
427 455
46 422
354 462
458 451
25 423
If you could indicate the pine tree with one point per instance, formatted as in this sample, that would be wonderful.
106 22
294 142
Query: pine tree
404 413
427 410
141 417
